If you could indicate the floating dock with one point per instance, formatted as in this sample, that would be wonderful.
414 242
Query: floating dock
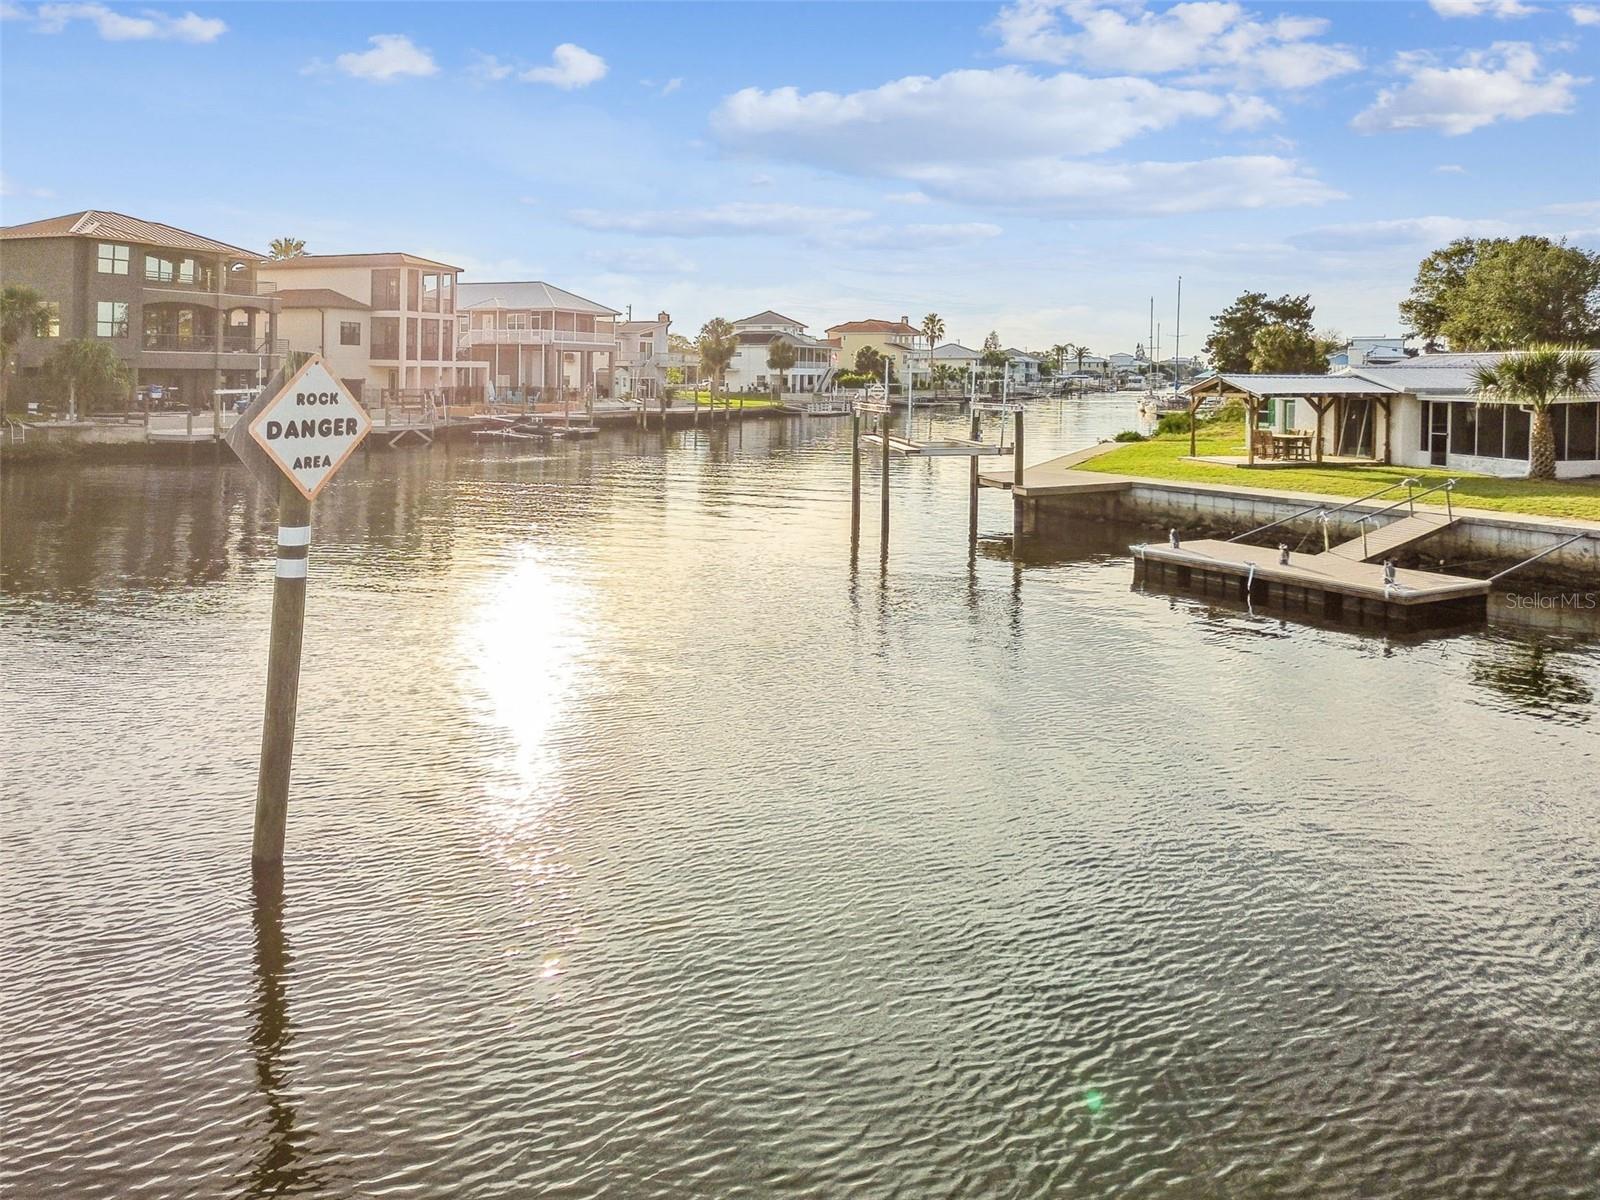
1327 585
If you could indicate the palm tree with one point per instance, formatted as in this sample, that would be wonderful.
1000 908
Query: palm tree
1537 379
717 344
1081 353
933 330
781 356
287 247
23 313
86 368
1061 353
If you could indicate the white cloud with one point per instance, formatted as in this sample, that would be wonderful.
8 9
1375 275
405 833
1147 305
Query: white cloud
813 224
114 26
1399 234
1066 188
645 260
761 179
1503 10
10 187
393 55
1449 169
1502 83
671 86
966 116
1584 14
489 68
721 220
907 198
1209 38
570 67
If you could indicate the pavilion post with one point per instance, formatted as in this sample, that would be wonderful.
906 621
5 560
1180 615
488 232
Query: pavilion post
1250 430
1194 412
1318 406
1388 428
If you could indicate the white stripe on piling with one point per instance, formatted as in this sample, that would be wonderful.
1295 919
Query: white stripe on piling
291 568
294 535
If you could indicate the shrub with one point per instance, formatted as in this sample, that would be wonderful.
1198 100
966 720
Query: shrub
1129 435
1173 422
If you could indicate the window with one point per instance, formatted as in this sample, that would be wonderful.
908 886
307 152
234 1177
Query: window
1519 432
1491 430
411 335
386 289
414 290
430 340
516 320
111 318
646 347
1464 429
1583 423
113 259
447 299
385 337
430 292
50 327
158 268
349 333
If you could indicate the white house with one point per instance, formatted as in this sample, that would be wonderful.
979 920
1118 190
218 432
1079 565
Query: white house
1022 368
749 371
641 368
1420 412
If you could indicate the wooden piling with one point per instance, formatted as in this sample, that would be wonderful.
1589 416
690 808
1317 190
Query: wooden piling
1016 482
283 677
855 479
883 518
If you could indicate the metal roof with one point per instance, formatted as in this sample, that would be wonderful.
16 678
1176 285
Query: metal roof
387 258
768 318
530 293
113 226
954 350
1297 385
1455 381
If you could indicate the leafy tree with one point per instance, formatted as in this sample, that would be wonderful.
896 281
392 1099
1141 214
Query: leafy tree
992 342
287 247
1439 278
1538 379
1233 331
1524 292
717 345
781 357
88 370
23 313
1285 350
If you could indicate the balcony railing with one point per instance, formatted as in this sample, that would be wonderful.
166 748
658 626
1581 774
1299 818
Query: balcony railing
231 286
536 337
210 343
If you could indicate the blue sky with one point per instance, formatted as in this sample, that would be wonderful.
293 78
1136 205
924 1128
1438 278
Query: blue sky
1040 168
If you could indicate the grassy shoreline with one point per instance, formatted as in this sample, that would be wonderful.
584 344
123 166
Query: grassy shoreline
1162 458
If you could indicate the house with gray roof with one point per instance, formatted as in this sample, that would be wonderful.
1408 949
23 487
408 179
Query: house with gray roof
538 339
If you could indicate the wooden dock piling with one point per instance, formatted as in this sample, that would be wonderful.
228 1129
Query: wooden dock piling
283 676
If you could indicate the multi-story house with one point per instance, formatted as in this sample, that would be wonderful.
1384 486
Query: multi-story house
187 315
641 368
408 327
899 341
749 371
537 337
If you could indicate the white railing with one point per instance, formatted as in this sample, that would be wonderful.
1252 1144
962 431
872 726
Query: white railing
536 337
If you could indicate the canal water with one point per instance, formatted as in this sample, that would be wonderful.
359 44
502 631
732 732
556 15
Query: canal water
643 845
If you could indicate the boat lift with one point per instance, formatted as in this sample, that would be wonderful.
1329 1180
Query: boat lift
882 438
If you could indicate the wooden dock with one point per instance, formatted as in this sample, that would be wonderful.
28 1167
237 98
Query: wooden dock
1327 585
1056 477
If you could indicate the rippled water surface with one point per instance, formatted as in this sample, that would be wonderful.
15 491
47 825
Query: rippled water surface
641 846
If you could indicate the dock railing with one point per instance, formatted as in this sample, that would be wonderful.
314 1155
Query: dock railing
1324 511
1410 502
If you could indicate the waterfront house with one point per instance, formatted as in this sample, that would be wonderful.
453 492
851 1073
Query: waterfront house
407 330
186 314
1370 351
334 325
641 368
538 338
901 342
1417 412
814 358
1022 368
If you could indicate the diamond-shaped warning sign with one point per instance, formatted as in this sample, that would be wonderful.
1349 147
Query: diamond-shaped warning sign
310 427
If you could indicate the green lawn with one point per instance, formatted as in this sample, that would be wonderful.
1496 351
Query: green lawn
683 398
1162 458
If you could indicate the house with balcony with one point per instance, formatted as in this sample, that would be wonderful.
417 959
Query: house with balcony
641 368
408 328
901 342
188 316
537 339
813 357
1022 368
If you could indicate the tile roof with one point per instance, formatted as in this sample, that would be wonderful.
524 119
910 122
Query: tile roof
530 293
97 223
874 326
388 258
315 298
